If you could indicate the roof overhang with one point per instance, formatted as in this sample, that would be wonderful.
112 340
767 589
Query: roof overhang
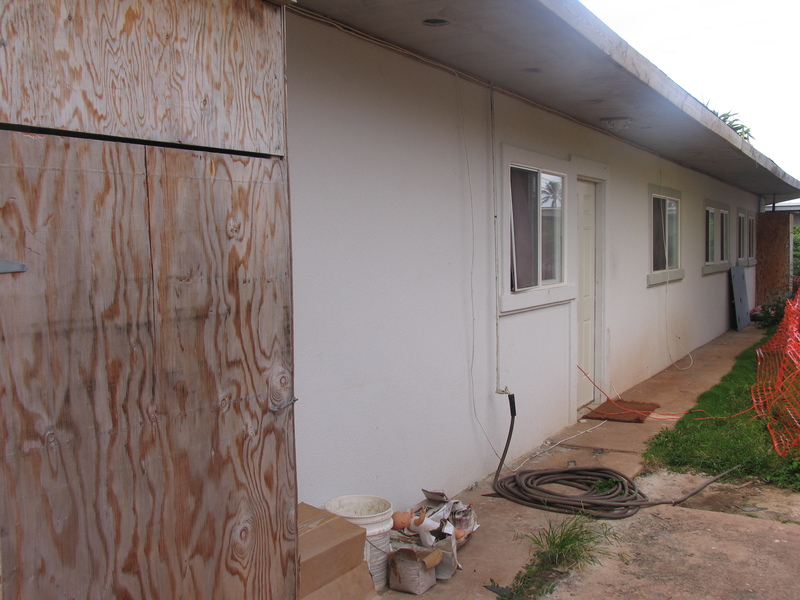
557 54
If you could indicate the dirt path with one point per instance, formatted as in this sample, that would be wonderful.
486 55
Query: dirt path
719 545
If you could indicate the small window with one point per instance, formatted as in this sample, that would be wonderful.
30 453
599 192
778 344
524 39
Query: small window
717 225
724 236
746 254
537 228
666 234
742 237
665 231
710 232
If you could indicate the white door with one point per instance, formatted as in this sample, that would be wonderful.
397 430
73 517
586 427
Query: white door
587 290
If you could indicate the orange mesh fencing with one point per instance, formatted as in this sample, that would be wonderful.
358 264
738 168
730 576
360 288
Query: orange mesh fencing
776 392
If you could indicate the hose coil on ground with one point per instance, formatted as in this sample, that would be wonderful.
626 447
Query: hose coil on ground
603 493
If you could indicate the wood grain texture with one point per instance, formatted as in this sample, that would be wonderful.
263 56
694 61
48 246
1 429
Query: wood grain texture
207 74
144 358
774 255
223 326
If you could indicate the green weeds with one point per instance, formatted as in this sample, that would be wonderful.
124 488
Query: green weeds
572 543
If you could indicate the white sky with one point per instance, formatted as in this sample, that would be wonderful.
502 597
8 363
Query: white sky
741 56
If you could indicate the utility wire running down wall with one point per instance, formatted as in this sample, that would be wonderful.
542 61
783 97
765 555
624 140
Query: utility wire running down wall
776 392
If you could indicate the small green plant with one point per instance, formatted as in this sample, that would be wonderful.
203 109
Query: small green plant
731 119
574 542
788 474
605 485
571 543
771 313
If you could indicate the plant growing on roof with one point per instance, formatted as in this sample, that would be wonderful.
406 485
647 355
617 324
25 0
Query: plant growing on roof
731 119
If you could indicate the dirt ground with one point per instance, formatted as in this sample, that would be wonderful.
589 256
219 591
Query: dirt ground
726 543
753 499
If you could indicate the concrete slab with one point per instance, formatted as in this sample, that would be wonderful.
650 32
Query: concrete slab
627 463
494 553
615 436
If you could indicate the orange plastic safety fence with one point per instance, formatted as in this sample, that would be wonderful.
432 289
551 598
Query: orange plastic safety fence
776 392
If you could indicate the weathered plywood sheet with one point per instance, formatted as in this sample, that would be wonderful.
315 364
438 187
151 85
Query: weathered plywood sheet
200 73
223 330
76 362
145 374
774 255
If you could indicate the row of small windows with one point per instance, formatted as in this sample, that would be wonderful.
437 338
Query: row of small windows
666 235
718 236
537 231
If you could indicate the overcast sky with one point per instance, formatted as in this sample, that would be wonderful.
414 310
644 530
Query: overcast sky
738 55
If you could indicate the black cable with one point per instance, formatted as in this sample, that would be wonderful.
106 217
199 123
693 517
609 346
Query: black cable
603 493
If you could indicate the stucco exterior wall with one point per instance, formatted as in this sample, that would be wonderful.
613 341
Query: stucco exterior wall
402 332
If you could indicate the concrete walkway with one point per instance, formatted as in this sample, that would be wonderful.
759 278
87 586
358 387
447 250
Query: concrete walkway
493 553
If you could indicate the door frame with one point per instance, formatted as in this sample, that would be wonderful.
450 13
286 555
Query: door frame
599 366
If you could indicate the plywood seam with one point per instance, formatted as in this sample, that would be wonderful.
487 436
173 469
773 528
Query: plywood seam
85 135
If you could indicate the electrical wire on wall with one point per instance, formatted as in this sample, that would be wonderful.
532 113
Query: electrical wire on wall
472 264
458 78
471 383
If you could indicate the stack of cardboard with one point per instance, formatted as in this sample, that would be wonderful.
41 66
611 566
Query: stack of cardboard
332 565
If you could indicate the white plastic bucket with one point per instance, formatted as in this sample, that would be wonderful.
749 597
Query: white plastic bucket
375 515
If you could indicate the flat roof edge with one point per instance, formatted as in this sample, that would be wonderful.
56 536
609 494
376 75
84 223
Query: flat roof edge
587 24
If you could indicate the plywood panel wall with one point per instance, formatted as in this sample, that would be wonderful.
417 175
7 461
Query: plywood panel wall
774 255
220 238
200 73
145 374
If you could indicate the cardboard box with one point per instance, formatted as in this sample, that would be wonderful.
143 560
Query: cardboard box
449 565
413 571
329 547
354 585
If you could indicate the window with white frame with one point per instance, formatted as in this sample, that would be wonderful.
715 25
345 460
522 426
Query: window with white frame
746 254
742 231
537 228
717 236
533 230
724 236
711 230
665 228
666 233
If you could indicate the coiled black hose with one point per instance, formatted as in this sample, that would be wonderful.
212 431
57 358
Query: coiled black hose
603 493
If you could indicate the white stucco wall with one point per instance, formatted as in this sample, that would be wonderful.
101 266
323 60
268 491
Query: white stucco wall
398 346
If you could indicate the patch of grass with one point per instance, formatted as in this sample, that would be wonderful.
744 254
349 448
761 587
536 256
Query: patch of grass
605 485
712 446
787 475
571 543
575 542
